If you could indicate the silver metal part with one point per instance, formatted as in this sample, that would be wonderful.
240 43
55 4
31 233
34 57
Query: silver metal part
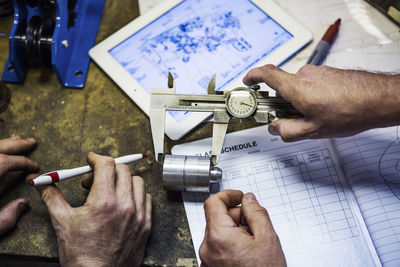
189 173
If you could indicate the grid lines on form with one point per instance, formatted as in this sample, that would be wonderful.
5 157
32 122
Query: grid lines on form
302 194
369 161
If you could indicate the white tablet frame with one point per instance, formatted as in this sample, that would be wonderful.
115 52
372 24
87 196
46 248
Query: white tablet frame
175 130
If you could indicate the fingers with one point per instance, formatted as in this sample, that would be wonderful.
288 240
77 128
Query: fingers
87 181
10 213
235 213
16 163
104 176
274 77
216 207
139 194
143 213
16 145
51 197
256 216
293 129
148 213
123 183
143 224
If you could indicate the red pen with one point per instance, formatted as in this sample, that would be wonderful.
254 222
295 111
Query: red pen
55 176
321 51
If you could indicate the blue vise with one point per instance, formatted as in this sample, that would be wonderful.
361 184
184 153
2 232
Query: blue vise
53 33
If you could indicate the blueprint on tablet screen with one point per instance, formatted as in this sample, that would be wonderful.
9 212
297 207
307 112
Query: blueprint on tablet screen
197 39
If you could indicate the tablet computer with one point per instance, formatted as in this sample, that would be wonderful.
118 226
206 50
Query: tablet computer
195 39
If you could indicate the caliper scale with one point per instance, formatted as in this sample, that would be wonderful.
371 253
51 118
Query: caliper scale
241 102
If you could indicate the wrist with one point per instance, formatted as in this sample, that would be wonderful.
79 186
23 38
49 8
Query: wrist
390 107
381 100
84 262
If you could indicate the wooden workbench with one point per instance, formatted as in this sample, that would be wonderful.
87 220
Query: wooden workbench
68 123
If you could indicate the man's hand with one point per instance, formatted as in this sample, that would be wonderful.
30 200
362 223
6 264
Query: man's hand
239 236
111 228
334 102
10 148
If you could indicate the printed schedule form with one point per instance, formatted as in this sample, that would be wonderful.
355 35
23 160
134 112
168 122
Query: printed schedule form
313 210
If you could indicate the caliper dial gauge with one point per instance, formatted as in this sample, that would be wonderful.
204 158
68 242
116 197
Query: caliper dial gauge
241 102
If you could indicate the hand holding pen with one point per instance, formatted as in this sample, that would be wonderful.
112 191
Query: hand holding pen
112 227
56 176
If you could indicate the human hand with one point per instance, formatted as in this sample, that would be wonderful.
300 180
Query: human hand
334 102
239 236
111 228
10 149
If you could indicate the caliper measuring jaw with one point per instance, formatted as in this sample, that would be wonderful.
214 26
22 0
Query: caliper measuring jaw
179 174
163 100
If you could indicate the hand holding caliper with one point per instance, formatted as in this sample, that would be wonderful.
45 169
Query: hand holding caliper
241 102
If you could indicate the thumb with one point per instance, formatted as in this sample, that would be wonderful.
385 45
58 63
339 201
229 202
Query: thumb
292 129
10 213
52 198
256 216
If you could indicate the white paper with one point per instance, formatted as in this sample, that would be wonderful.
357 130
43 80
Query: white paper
378 58
299 186
361 26
371 161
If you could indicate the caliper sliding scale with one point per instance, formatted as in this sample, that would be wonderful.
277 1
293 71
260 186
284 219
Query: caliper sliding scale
241 102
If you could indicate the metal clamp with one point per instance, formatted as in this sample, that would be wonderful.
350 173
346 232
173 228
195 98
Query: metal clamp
53 33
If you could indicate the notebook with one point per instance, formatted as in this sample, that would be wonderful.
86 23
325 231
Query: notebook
332 202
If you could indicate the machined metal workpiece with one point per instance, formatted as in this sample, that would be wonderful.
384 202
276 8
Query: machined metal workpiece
189 173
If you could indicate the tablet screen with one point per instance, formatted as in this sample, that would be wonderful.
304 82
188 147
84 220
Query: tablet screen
197 39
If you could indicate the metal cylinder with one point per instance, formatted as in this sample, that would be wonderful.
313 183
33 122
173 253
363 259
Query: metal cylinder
189 173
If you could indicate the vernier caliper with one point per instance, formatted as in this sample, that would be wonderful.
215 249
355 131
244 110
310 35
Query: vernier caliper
241 102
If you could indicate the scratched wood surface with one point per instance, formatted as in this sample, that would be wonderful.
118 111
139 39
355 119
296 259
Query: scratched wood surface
67 124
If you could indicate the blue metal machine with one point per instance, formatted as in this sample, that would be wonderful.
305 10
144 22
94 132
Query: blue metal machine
53 33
